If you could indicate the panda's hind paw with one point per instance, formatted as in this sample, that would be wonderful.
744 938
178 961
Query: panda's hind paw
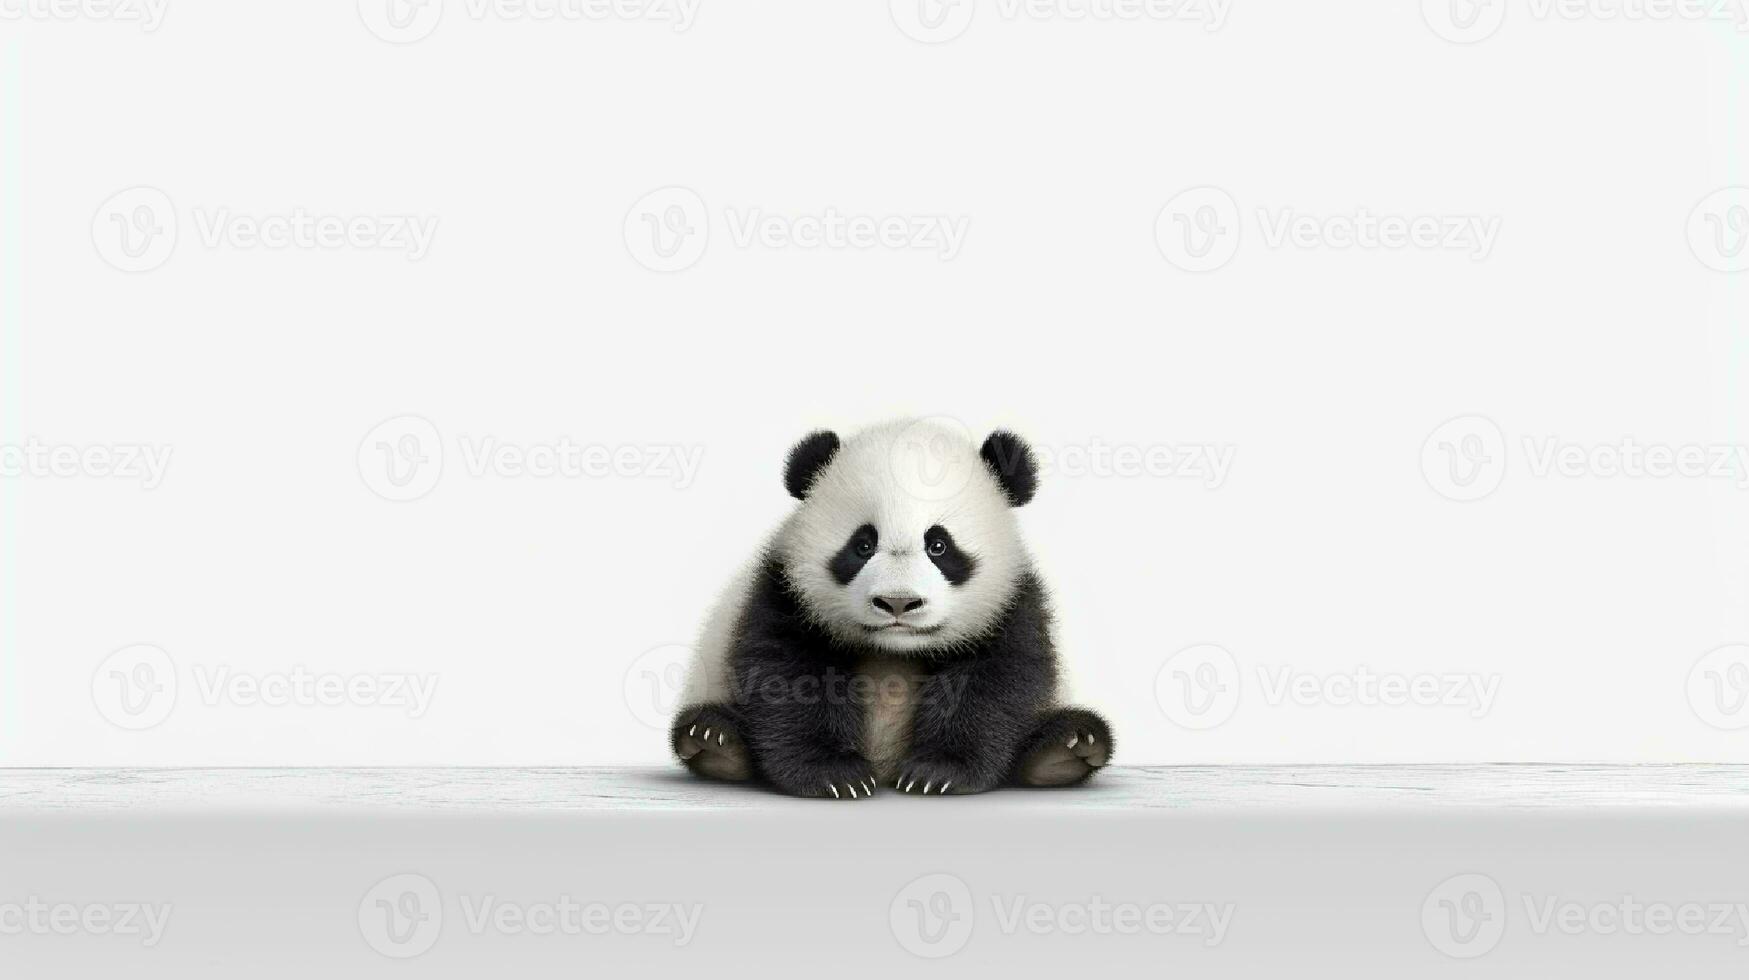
1069 746
707 738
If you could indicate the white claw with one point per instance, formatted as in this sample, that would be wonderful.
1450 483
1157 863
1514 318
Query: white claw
926 786
691 730
707 734
1091 739
834 790
896 782
867 788
910 784
944 787
719 738
852 790
1073 739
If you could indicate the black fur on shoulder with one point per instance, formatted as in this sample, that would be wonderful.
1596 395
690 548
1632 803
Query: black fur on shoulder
984 714
1011 459
806 459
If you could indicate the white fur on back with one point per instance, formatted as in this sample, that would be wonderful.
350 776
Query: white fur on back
708 680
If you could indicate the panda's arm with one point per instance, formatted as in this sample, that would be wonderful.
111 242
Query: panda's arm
974 711
795 692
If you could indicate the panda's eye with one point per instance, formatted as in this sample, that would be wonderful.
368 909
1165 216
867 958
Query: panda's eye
864 548
937 548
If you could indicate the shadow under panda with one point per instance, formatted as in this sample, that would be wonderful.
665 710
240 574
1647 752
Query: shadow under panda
892 632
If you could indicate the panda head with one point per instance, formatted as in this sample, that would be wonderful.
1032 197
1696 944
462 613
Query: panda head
905 538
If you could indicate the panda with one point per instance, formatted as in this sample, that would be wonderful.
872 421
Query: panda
892 633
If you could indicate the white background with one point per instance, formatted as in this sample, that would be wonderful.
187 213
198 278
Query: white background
533 602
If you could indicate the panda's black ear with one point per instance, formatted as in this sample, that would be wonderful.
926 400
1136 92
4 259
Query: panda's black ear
1010 458
806 460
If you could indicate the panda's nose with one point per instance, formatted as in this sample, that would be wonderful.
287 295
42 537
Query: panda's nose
898 605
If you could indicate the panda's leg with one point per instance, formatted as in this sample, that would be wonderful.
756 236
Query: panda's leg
708 739
1066 747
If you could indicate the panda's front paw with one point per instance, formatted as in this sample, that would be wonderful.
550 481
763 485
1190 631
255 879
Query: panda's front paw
843 778
939 777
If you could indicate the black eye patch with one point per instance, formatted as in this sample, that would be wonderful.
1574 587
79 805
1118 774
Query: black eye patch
855 554
956 565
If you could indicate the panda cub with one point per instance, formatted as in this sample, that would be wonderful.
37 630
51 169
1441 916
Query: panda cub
892 632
